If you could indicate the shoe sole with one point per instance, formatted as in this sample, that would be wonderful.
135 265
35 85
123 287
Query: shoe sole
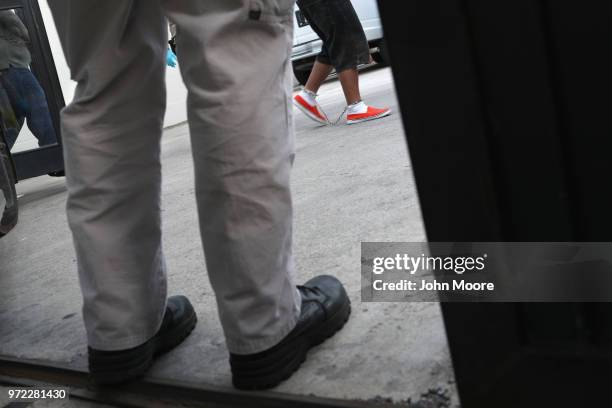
309 114
120 369
261 382
381 115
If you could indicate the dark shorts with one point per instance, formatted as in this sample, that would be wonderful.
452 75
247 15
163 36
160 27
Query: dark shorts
335 21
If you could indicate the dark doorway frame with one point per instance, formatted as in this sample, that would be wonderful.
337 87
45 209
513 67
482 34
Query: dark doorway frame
506 106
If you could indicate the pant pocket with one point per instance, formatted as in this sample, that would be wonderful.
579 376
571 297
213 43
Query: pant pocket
271 11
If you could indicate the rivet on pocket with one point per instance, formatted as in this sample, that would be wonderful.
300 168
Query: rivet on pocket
255 9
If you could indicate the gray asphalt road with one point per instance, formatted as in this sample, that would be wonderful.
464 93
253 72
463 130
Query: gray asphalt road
350 184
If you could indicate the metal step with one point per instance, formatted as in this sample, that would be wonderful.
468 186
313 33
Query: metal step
157 392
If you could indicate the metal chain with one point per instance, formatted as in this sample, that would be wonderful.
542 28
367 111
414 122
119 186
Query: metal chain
343 112
339 117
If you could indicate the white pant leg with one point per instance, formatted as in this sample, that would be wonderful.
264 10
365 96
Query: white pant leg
234 58
111 132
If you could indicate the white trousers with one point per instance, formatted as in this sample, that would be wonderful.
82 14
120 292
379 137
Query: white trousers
234 59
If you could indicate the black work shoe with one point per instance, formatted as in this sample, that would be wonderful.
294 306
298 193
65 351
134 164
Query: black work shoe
325 309
112 367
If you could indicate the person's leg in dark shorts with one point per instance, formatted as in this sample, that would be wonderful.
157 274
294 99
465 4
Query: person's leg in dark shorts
345 47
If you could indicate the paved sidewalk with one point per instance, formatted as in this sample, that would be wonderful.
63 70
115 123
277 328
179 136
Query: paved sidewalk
350 184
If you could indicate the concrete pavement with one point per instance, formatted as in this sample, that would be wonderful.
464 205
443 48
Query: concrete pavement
350 184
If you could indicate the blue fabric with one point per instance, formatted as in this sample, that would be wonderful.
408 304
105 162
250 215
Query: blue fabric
29 102
171 58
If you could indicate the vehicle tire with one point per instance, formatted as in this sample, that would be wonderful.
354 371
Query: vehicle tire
382 56
301 72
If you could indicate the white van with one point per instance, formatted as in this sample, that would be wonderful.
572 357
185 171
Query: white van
306 43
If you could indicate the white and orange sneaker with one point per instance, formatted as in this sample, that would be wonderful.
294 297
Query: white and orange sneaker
360 112
307 103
